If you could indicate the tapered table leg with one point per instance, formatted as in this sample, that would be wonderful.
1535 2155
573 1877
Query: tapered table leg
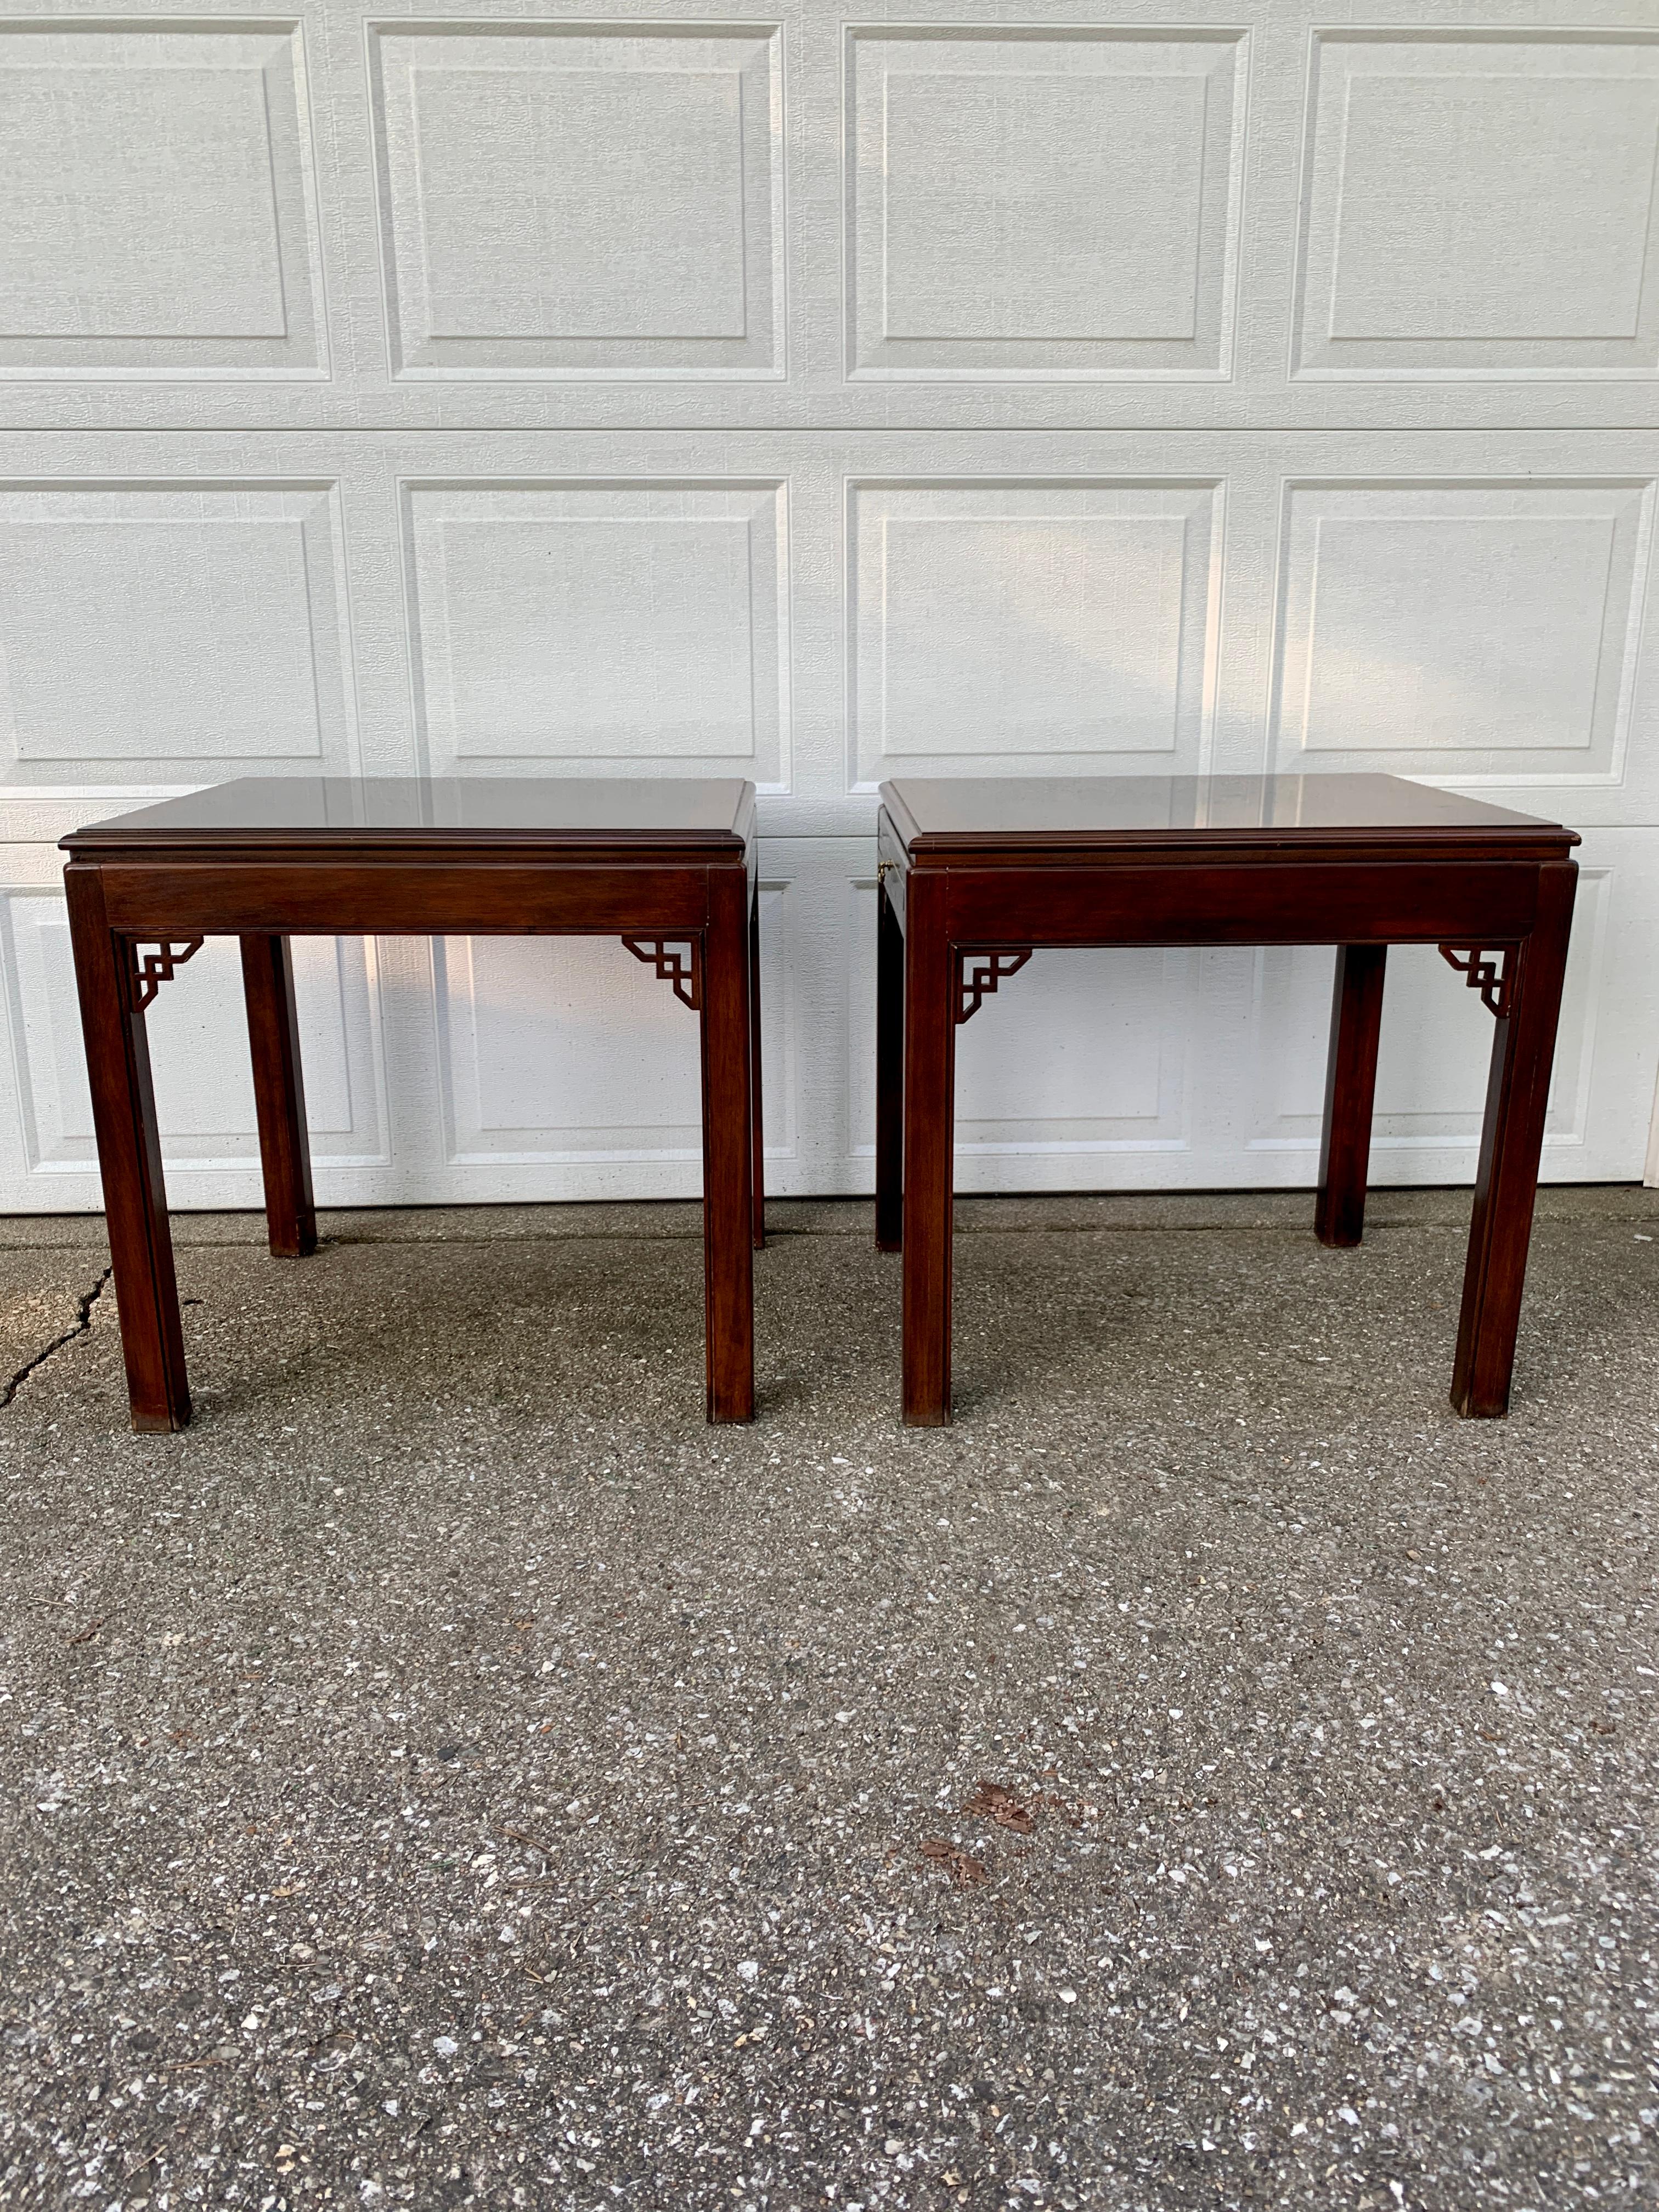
1350 1089
890 1076
279 1096
129 1161
929 1117
728 1193
756 1124
1511 1142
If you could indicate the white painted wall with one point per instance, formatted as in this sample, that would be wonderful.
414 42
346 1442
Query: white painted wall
1004 384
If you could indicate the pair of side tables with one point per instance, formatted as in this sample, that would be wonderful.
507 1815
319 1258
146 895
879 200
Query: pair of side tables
974 876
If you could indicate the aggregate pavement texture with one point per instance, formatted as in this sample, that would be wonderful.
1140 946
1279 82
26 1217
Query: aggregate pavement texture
1211 1774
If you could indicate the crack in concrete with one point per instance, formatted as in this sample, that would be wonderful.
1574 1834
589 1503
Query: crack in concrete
83 1325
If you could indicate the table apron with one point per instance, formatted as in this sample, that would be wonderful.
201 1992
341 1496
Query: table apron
384 899
1323 903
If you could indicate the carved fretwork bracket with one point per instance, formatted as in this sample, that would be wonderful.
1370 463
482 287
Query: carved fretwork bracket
678 961
150 970
1483 972
979 974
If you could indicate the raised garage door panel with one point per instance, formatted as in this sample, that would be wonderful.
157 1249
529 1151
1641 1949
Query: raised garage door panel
819 399
649 214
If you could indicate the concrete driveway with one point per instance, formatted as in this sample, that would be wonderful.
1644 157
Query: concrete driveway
1209 1775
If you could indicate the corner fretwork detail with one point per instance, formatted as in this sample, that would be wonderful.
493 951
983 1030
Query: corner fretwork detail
677 962
151 968
1490 974
979 974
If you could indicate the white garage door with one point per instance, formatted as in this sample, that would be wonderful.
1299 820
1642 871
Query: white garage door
1013 385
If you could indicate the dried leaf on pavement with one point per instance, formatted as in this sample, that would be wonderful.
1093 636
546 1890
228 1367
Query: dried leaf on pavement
991 1802
966 1871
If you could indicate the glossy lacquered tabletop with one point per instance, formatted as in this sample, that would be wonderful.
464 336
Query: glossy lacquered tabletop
672 812
985 812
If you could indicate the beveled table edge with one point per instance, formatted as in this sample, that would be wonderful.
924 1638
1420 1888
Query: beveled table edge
1528 839
336 845
332 845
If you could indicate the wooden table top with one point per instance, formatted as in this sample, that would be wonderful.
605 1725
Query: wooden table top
672 814
984 814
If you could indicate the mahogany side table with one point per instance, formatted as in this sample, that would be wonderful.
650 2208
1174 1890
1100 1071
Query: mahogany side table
977 873
668 866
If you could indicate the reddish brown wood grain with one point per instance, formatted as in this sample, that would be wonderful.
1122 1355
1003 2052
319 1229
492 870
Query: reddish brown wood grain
1272 900
1344 1150
1511 1141
176 873
416 898
975 866
757 1123
930 1050
728 1199
890 1073
279 1096
130 1160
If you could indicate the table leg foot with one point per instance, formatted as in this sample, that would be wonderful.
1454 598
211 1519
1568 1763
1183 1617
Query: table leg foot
159 1424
